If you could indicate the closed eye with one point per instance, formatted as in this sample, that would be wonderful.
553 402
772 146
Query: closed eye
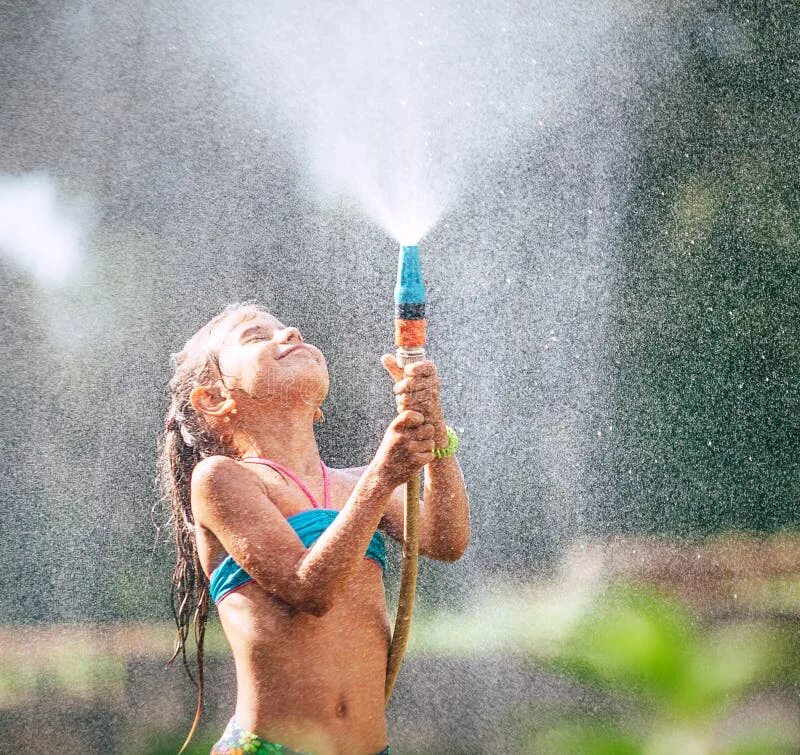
258 335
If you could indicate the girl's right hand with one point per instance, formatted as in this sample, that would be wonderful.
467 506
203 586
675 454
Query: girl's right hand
407 446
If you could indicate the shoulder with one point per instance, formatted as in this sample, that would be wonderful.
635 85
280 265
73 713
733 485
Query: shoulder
209 472
215 479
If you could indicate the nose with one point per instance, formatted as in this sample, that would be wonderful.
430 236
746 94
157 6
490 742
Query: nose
291 335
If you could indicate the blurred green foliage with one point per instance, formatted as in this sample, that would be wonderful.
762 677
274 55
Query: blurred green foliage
671 686
87 676
169 744
626 669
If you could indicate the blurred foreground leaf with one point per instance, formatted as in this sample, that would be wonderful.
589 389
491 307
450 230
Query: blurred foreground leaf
631 637
679 688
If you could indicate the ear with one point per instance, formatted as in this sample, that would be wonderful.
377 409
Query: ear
208 400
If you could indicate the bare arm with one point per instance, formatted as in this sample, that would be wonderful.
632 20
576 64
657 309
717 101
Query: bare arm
444 523
446 510
233 504
444 526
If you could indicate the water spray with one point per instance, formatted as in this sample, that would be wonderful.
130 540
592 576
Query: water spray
409 339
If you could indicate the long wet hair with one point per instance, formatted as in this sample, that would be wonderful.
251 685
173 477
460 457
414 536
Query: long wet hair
187 440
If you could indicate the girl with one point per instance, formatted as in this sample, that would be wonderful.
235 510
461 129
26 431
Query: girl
286 547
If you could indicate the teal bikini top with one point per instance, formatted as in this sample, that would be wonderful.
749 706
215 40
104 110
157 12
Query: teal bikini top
309 525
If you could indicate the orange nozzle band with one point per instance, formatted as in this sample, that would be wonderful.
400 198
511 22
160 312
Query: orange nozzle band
409 333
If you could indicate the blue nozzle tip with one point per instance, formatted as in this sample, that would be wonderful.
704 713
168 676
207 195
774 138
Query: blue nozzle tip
409 289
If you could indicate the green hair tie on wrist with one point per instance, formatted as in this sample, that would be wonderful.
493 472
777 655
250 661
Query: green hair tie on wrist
451 447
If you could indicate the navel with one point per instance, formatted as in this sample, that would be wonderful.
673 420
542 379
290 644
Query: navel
341 708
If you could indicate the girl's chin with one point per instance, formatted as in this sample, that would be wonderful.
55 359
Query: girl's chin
303 357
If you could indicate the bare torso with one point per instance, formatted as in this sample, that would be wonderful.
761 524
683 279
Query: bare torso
311 683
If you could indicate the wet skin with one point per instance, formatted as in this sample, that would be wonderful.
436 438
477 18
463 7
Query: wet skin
310 635
314 683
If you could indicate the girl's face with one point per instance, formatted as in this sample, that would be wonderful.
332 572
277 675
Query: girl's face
271 363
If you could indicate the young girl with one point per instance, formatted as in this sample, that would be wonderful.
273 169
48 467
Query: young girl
287 548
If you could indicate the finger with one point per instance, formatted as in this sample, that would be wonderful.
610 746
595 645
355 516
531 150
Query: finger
390 365
424 432
424 367
409 418
418 403
421 446
419 397
413 384
423 459
425 408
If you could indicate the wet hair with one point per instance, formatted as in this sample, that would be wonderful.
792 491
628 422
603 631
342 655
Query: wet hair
188 439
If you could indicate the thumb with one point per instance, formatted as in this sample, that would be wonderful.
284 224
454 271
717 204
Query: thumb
390 364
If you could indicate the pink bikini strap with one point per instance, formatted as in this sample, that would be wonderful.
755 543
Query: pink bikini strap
326 483
300 484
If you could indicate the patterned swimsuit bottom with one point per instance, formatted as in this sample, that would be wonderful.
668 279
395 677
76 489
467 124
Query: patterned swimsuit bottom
238 741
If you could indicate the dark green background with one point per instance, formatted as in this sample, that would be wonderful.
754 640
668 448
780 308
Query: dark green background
684 140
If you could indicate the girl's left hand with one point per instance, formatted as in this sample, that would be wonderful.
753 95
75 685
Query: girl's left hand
417 387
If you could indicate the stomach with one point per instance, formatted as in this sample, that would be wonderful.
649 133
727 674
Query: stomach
312 683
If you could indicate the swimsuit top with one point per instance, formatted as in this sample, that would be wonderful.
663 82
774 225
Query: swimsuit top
309 525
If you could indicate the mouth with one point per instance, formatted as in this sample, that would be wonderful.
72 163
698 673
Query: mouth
294 347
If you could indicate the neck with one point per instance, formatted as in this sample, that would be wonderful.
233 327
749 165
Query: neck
287 439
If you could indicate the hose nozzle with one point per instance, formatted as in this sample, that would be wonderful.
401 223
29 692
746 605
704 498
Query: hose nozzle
409 298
